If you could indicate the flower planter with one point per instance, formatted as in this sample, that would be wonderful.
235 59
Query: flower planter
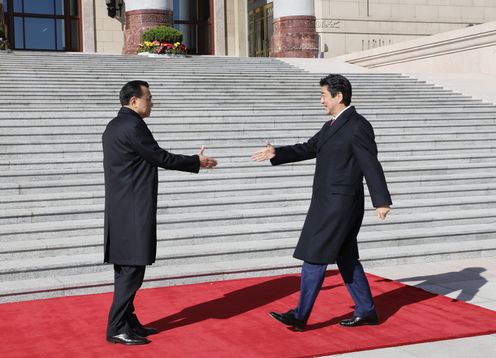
171 55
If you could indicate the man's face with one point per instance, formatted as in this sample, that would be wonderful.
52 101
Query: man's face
331 104
143 105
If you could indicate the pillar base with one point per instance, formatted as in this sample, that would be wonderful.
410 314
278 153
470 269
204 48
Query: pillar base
294 36
138 21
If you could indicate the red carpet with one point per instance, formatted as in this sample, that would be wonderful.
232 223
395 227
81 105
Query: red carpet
230 319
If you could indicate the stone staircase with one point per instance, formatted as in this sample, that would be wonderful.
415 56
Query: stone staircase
242 219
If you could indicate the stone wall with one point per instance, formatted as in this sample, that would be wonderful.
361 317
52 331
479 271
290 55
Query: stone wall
468 50
236 28
109 31
347 26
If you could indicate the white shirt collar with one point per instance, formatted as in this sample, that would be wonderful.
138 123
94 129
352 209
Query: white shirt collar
334 118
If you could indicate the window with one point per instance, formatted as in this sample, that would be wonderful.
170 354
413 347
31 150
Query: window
193 19
52 25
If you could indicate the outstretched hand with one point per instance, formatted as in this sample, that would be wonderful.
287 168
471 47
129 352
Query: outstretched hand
266 153
206 162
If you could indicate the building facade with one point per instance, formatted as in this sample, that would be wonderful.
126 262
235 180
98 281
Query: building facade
281 28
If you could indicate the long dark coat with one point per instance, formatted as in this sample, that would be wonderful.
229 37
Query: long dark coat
346 152
130 160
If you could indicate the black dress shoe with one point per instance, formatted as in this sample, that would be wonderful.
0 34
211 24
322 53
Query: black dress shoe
129 339
360 321
144 331
289 319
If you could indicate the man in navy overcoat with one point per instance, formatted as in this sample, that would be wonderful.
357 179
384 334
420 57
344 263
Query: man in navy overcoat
131 157
345 152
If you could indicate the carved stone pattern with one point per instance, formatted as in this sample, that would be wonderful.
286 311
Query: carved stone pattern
138 21
294 36
328 24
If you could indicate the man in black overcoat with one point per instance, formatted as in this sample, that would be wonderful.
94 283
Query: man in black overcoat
131 157
345 152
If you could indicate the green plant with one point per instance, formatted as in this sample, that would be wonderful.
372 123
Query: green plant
162 34
162 40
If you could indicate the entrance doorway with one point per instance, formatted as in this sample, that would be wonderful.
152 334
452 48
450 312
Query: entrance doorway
46 25
260 16
194 19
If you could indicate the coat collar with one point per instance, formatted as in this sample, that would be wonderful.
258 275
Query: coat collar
129 111
340 122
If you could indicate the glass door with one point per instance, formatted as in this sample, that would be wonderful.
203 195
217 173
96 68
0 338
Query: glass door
260 30
193 18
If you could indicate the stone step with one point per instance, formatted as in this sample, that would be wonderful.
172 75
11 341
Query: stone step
261 98
250 169
241 74
13 144
64 246
16 180
371 112
177 88
226 203
240 159
408 214
52 286
72 90
402 190
193 120
253 86
44 135
79 187
57 159
211 252
251 124
211 103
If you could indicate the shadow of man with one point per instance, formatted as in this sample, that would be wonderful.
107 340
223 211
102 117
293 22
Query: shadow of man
468 281
232 304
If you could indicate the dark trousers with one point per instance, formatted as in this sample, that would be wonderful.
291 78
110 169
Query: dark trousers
127 280
312 277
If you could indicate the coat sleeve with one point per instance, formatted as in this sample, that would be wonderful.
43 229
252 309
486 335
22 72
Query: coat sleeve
365 150
296 152
143 143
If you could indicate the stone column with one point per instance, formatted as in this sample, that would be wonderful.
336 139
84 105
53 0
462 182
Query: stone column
219 27
88 26
140 16
294 33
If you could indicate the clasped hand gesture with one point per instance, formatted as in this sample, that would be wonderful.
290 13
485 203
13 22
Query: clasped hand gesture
206 162
266 153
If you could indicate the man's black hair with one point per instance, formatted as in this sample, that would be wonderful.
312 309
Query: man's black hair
338 83
131 89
